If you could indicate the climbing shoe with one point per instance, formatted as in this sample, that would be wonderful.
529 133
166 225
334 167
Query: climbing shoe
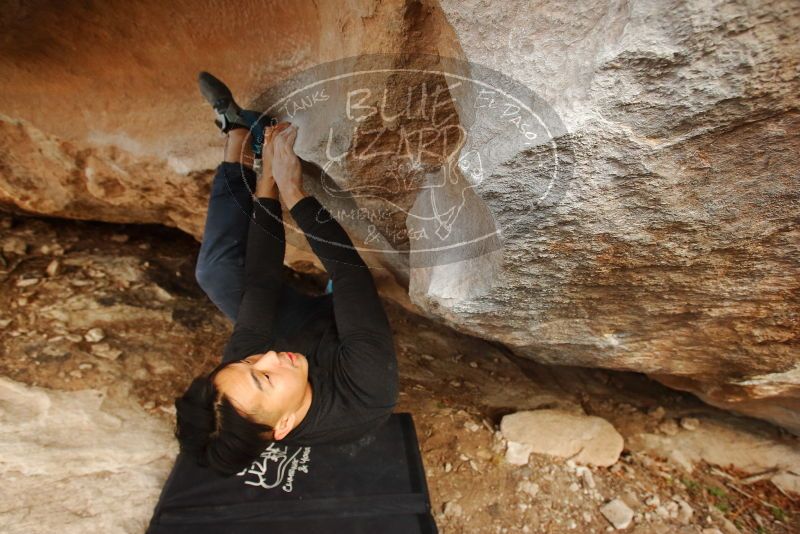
229 114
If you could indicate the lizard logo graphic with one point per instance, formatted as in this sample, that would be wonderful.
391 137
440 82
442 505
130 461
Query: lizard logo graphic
277 466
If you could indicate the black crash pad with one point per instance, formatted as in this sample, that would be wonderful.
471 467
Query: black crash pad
374 484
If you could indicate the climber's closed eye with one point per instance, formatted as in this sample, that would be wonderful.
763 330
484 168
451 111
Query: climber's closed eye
254 376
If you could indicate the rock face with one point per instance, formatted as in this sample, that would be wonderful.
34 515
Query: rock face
104 457
669 248
711 443
582 438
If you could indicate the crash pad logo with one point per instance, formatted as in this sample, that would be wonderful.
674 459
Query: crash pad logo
277 467
429 158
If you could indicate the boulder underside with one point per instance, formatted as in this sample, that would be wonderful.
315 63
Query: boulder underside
671 247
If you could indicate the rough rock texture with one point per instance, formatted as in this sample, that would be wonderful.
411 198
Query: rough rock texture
582 438
672 248
618 514
754 454
675 250
97 460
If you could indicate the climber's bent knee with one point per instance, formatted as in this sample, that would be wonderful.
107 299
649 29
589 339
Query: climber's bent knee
223 285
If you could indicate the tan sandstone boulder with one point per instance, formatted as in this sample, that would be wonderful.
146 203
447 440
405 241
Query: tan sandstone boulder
662 239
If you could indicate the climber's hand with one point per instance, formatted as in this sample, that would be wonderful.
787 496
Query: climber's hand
285 164
268 147
266 186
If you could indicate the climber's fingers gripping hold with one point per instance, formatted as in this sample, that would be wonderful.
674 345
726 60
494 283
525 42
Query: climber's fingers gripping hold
285 139
291 135
285 164
268 150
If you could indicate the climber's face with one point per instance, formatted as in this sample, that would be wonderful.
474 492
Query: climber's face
267 388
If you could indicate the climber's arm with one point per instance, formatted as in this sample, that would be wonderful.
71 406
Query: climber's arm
366 350
266 246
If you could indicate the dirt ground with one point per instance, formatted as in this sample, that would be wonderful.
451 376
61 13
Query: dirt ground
88 304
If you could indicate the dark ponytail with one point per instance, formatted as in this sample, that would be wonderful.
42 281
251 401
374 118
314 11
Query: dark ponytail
213 432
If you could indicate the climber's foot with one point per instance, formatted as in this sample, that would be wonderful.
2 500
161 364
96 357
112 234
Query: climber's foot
230 115
216 93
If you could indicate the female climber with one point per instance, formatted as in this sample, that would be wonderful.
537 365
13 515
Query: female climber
298 369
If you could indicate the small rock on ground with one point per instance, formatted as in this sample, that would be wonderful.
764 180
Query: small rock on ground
618 513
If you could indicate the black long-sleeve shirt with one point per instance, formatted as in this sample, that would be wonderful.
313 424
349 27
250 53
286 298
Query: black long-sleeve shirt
344 335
